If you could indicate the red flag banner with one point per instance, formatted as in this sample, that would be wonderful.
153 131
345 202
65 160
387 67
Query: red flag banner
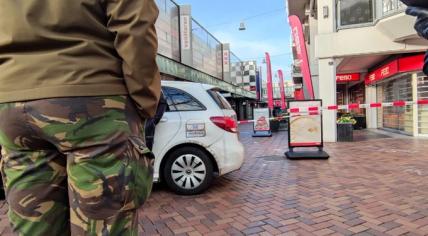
269 82
302 53
282 89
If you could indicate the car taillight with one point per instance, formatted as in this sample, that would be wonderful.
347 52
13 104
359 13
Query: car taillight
227 123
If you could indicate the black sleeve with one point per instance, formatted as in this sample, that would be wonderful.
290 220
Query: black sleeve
421 25
416 3
161 109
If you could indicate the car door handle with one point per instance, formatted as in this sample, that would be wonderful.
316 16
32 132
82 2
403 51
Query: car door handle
163 120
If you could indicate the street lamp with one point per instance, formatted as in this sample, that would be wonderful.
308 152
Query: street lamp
242 26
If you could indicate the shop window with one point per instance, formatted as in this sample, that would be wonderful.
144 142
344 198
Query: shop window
398 118
357 95
423 110
355 12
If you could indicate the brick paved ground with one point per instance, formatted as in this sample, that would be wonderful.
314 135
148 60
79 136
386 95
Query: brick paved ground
374 187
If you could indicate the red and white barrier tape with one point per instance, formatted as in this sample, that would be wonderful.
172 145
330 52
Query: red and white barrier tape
358 106
294 112
279 118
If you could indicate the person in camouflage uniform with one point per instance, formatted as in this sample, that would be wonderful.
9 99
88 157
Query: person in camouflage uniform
89 150
78 81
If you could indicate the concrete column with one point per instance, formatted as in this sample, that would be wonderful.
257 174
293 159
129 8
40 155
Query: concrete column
186 35
327 69
371 114
327 89
313 61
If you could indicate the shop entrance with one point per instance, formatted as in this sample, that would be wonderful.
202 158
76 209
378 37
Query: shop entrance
398 118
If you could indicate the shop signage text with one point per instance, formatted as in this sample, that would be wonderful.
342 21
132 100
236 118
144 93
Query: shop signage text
185 33
226 59
401 65
354 77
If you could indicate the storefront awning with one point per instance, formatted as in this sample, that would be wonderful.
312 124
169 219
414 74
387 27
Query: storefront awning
397 66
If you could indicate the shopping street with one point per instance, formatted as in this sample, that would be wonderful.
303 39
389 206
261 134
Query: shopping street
374 186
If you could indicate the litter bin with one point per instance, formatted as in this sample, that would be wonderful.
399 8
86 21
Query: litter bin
345 132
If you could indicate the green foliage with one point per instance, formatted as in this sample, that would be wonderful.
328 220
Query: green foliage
346 119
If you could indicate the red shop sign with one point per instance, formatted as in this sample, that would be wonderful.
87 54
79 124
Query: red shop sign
348 77
401 65
412 63
383 72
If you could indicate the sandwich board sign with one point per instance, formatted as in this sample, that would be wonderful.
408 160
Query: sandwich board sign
305 130
261 127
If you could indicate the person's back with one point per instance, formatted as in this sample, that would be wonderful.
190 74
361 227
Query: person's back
76 48
77 81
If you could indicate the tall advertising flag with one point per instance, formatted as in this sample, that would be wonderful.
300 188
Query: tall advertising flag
269 82
282 89
258 84
302 53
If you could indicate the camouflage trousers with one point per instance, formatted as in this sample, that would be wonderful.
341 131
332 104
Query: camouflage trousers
74 166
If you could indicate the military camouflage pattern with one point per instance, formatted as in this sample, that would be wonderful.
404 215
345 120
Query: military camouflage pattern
74 166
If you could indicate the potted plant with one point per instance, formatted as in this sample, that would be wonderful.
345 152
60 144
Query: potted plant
345 129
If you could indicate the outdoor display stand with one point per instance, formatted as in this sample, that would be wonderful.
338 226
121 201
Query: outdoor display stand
305 131
261 127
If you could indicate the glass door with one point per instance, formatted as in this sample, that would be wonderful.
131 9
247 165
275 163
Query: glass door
398 118
390 114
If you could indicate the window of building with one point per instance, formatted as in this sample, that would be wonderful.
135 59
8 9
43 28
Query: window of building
391 6
178 100
357 95
398 118
423 110
355 12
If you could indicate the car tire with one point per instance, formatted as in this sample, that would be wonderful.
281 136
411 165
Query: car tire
188 171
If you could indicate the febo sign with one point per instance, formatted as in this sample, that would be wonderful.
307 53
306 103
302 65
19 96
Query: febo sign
383 72
401 65
354 77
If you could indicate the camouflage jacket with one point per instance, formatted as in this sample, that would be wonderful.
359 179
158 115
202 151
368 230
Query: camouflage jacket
79 48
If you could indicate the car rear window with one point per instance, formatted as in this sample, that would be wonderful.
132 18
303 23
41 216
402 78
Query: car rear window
179 100
219 100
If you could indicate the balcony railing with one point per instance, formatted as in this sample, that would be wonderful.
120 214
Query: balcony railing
392 6
360 13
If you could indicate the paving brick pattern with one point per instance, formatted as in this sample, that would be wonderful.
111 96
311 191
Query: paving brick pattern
373 187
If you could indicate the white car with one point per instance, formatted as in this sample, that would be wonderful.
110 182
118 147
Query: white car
196 138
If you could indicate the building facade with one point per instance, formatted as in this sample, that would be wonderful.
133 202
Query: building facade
364 51
189 52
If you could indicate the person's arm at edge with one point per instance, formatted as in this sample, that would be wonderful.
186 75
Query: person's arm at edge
133 23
